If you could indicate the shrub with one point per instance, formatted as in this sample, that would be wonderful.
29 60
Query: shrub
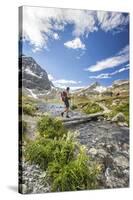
51 128
75 175
65 151
92 108
28 105
40 152
29 109
73 107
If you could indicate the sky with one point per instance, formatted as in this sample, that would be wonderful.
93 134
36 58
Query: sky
77 47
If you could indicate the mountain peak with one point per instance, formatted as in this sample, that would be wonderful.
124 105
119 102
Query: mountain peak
94 85
33 76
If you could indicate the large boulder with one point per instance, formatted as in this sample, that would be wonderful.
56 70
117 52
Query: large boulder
120 117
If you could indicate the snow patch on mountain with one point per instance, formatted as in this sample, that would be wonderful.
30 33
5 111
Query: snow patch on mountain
32 94
100 89
28 71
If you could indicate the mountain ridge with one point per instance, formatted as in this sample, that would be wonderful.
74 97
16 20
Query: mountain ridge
35 82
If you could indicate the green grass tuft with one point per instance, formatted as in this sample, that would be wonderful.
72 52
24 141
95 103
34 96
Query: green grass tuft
92 108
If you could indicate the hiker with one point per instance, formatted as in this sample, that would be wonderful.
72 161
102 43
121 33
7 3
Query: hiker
65 98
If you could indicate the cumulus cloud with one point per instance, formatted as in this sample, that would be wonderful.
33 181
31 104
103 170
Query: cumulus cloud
109 75
56 36
75 44
120 58
41 24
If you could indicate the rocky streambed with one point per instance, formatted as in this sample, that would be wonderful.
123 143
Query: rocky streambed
106 143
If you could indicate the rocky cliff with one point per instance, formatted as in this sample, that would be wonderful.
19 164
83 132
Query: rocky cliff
33 76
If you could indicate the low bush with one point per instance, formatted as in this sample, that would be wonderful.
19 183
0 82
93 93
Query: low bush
29 109
77 174
92 108
43 150
73 107
28 105
40 152
51 128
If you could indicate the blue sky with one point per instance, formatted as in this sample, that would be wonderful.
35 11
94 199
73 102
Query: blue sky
78 47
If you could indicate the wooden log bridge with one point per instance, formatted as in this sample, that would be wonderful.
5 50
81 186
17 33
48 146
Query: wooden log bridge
78 120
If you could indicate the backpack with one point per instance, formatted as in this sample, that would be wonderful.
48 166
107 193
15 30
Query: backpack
63 95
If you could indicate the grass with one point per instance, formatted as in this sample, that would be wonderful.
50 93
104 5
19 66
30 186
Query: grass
79 100
123 108
29 109
28 105
51 128
117 105
92 107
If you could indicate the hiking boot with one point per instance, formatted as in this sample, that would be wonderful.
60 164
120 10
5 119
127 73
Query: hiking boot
62 114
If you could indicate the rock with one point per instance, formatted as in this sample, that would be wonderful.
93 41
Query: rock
121 161
123 124
92 151
125 147
101 153
43 175
120 117
33 180
24 188
112 148
113 182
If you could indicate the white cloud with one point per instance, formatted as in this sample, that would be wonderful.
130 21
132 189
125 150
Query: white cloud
56 36
109 75
111 20
75 44
63 81
76 87
40 24
118 59
125 50
50 77
100 76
